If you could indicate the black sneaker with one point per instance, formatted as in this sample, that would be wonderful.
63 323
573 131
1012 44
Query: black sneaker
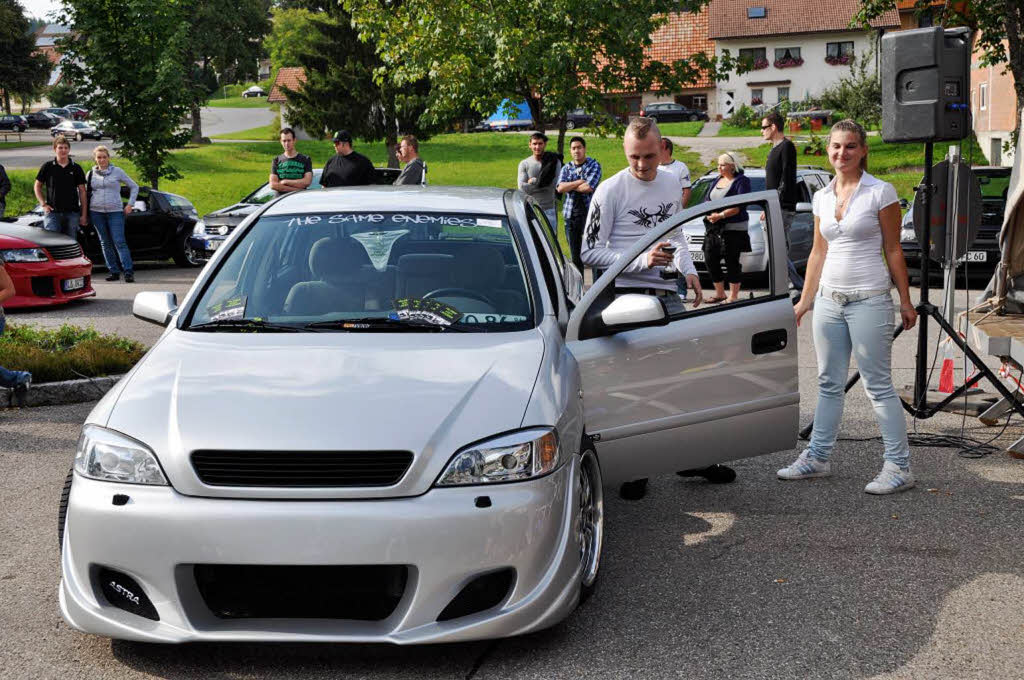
129 277
114 277
633 491
21 390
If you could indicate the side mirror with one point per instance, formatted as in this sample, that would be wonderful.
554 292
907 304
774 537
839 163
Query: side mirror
804 207
632 310
904 203
156 308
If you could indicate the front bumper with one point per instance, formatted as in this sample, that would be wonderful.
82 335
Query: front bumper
443 537
205 245
42 284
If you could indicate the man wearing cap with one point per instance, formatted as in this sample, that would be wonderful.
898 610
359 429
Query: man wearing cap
346 168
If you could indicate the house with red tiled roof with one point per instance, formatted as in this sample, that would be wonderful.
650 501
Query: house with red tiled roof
289 78
798 47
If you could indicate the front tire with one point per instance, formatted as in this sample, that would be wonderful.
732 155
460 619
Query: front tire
184 256
570 125
78 136
589 521
694 118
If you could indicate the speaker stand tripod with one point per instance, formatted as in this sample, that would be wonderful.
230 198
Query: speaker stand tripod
925 310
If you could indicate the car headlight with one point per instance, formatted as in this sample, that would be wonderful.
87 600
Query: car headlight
24 255
907 234
509 458
199 228
112 457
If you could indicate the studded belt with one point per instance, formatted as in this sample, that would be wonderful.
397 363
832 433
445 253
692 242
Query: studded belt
845 297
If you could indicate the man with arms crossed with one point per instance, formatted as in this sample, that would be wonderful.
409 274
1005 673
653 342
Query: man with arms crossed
577 183
291 171
624 208
538 176
780 174
60 189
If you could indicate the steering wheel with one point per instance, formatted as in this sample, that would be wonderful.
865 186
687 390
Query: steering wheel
460 292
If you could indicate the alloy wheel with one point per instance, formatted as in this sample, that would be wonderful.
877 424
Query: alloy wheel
590 521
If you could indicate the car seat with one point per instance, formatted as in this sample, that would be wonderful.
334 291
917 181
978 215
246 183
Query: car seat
482 269
339 283
420 273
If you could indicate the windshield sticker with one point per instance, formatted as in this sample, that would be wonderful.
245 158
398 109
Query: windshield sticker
418 309
494 224
378 245
491 318
232 308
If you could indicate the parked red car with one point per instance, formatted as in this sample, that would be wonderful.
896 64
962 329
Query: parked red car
48 268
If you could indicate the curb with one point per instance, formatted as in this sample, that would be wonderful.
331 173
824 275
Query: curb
62 392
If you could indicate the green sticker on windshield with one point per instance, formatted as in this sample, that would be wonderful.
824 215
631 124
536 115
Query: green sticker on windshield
431 311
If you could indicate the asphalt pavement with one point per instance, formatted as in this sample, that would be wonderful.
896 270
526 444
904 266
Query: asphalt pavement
754 579
216 121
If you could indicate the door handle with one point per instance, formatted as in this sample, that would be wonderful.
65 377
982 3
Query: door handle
766 342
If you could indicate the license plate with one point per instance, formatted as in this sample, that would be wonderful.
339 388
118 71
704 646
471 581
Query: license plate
213 245
975 256
697 255
74 284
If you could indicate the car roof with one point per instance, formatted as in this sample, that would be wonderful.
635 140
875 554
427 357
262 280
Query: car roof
448 199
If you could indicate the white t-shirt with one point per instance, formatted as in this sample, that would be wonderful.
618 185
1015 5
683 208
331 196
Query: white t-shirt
623 210
854 259
679 170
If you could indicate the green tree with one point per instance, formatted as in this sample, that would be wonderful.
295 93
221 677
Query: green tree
557 55
341 91
292 34
127 61
23 74
225 38
858 95
998 26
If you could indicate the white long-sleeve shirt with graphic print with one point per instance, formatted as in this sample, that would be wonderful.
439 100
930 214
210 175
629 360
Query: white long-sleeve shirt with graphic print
624 209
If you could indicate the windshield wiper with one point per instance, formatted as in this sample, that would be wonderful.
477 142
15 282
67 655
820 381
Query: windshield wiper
383 323
244 325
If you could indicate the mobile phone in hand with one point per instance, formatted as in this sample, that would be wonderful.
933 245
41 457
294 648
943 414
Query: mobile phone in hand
668 249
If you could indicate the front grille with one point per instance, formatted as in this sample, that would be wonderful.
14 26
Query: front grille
65 252
696 239
214 229
42 286
301 468
356 592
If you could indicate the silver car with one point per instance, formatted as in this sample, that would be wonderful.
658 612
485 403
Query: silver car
387 414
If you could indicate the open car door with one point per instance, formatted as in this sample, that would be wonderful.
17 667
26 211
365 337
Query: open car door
711 384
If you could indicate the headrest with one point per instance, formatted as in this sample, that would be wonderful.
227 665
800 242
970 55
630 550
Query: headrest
480 267
333 258
419 264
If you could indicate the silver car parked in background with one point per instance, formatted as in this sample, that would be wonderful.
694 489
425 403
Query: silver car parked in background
387 415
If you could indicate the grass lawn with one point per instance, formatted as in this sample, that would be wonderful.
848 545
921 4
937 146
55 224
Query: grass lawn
66 353
688 129
240 103
22 145
259 134
732 131
902 165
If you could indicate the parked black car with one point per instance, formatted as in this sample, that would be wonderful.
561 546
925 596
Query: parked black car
577 118
668 112
14 123
158 228
41 120
211 231
983 254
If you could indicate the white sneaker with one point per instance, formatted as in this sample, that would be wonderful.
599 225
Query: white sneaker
891 479
805 467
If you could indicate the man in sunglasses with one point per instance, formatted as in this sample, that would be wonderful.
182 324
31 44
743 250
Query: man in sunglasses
780 174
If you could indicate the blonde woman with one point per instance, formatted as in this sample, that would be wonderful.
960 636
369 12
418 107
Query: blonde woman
728 236
854 262
107 212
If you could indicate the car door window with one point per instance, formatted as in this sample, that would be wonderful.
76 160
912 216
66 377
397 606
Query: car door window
657 392
571 278
538 232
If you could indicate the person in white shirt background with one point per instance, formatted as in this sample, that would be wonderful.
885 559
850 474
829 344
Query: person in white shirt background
854 262
676 167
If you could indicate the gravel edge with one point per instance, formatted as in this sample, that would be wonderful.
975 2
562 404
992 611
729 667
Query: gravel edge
62 392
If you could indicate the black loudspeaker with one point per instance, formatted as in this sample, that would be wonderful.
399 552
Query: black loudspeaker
926 85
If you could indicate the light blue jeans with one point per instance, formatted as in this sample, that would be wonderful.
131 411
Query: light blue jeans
10 378
552 216
110 227
64 222
865 328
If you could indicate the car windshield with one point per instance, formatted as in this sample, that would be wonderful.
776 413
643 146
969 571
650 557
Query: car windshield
994 186
79 125
703 185
369 272
179 202
265 194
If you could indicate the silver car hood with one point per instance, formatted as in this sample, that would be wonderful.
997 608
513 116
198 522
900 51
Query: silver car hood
427 393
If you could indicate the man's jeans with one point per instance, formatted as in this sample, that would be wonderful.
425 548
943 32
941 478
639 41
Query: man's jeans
864 327
10 378
65 222
110 227
574 237
552 215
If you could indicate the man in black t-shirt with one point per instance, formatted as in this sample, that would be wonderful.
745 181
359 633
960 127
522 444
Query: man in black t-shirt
346 168
60 189
291 171
780 174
